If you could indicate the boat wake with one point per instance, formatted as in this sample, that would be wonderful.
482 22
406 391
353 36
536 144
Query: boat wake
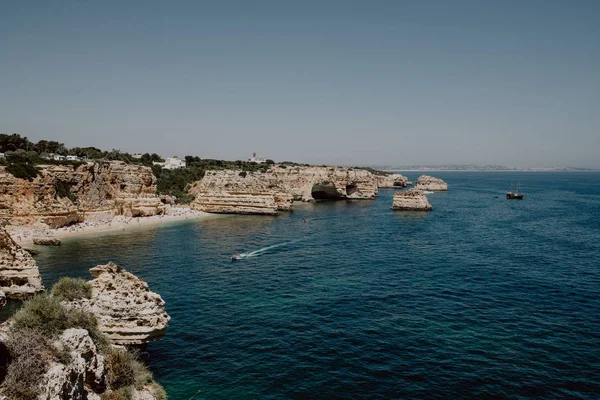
427 192
267 249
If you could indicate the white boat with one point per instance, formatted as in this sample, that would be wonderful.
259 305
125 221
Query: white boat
236 256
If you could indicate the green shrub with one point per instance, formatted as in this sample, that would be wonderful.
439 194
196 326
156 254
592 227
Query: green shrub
78 318
72 289
43 314
23 171
63 189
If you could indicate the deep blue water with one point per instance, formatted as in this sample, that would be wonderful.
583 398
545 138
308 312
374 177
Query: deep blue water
481 298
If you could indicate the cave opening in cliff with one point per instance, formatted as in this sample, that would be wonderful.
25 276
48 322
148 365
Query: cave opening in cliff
350 190
325 191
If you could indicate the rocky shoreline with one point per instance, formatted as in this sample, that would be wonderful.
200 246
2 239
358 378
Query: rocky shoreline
68 344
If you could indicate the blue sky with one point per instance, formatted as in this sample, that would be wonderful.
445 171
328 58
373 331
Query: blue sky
341 82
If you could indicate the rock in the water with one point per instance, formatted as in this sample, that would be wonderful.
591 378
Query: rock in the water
392 181
19 274
33 252
411 200
426 182
46 241
2 299
128 311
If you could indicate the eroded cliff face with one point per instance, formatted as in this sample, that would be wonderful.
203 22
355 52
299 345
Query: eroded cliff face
280 185
391 181
426 182
128 311
64 194
411 200
19 274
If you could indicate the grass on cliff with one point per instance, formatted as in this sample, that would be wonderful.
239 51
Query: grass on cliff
125 372
72 289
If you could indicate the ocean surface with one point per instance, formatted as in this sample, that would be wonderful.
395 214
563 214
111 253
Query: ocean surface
480 298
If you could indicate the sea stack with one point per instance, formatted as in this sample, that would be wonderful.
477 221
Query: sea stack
411 200
19 274
391 181
426 182
128 312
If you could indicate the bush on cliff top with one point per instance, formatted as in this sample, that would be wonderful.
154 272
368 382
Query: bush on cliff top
72 289
30 353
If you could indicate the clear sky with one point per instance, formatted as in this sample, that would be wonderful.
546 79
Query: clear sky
341 82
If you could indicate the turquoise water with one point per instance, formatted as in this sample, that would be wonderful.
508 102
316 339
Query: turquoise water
481 298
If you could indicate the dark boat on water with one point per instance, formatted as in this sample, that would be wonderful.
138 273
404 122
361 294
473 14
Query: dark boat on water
514 196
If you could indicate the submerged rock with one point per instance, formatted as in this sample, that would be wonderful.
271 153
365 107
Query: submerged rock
411 200
19 274
426 182
128 311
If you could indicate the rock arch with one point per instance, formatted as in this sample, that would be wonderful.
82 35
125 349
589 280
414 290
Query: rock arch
325 191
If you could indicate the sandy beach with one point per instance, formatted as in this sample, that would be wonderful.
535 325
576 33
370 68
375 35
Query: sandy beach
24 235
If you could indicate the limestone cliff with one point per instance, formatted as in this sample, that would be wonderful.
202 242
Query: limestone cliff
128 311
19 274
78 378
391 181
64 194
411 200
426 182
283 184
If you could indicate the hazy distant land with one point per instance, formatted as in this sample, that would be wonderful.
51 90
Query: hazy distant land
476 167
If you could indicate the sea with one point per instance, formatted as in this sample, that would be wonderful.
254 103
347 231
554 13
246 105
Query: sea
481 298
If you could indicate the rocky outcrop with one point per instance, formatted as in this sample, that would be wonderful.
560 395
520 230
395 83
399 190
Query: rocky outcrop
128 311
411 200
82 377
391 181
235 203
426 182
66 194
2 299
284 184
19 274
46 241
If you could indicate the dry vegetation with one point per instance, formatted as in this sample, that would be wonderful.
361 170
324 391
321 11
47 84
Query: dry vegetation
38 324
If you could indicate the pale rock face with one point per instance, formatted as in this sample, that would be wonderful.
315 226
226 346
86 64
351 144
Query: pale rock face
411 200
391 181
236 203
284 184
128 311
100 188
19 274
82 377
426 182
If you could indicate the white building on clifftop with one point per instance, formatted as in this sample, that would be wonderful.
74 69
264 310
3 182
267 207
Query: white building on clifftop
257 159
171 163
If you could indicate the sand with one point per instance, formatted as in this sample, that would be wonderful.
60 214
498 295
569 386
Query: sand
24 235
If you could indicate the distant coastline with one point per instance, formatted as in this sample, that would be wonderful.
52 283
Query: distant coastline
475 168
